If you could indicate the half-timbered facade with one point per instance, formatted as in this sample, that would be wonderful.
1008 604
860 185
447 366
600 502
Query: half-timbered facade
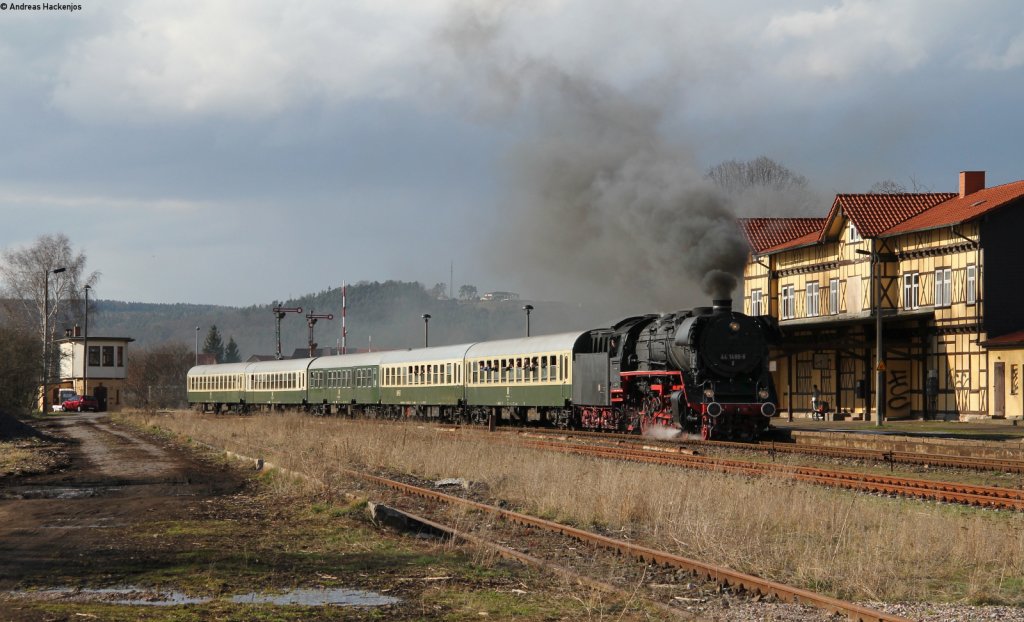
937 268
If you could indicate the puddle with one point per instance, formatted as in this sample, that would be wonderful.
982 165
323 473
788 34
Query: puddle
160 598
318 598
116 596
56 492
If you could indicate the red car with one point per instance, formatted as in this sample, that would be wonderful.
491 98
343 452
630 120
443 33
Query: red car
80 403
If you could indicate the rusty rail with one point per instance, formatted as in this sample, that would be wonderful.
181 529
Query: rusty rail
950 492
721 575
1006 465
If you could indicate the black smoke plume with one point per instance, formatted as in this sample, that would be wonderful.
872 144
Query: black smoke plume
602 209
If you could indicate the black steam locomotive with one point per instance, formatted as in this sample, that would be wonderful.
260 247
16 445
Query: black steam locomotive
704 371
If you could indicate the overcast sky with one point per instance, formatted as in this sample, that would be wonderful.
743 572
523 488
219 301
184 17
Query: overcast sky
241 151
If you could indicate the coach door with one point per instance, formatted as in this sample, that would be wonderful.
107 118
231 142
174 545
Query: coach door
999 391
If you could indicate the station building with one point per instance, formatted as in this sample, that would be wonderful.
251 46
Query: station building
940 271
106 365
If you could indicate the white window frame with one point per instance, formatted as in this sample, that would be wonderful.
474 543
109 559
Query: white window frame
788 302
756 298
813 299
911 290
943 287
854 234
972 284
833 296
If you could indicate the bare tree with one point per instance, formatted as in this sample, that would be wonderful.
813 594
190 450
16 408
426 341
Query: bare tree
762 172
467 292
763 187
44 284
157 375
891 186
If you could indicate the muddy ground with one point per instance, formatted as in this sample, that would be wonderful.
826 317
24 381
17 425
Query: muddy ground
99 520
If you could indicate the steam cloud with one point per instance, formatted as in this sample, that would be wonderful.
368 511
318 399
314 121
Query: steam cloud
603 209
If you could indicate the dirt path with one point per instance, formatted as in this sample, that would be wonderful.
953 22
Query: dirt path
60 527
128 526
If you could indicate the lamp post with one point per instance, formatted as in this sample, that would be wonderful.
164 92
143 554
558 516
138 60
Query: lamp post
527 308
46 336
876 293
197 345
85 346
426 330
69 335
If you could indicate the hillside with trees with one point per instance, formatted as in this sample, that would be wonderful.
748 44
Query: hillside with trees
381 316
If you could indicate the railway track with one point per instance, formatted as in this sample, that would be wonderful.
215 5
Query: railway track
721 575
948 492
887 457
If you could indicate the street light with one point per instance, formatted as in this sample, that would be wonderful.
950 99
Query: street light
426 330
85 346
527 308
197 345
876 283
46 335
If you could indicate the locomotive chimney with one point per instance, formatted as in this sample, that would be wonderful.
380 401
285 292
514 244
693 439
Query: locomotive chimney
722 305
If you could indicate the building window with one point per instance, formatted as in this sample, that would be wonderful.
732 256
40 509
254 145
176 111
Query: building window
911 290
108 356
972 284
833 296
120 356
854 234
94 356
812 299
755 303
788 302
943 287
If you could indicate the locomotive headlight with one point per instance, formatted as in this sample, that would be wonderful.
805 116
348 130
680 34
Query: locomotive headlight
734 327
763 394
709 393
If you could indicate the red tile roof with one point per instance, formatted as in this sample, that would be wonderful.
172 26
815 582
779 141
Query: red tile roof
874 213
958 209
1006 341
805 240
767 233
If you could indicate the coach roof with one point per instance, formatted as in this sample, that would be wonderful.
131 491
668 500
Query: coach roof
525 345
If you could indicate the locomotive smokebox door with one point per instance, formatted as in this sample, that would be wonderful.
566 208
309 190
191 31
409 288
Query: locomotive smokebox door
590 379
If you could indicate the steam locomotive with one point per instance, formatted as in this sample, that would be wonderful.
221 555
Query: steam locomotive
703 371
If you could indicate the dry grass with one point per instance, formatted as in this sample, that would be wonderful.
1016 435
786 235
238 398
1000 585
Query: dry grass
849 545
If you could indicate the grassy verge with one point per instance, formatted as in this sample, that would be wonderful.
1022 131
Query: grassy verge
275 535
851 545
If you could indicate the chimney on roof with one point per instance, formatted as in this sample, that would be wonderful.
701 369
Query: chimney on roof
971 182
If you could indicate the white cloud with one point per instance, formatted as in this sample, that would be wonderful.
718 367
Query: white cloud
243 59
850 40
